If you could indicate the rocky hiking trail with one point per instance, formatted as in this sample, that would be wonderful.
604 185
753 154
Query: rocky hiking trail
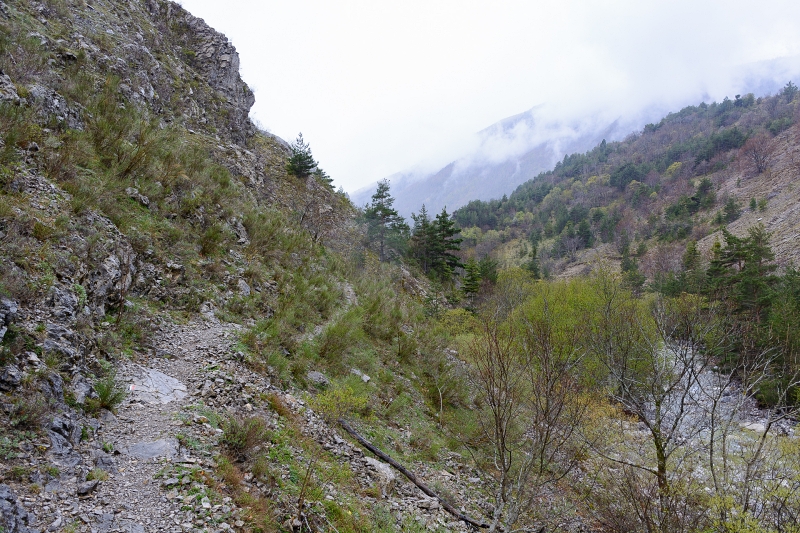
142 440
158 449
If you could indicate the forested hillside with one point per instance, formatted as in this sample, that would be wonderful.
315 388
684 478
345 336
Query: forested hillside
706 166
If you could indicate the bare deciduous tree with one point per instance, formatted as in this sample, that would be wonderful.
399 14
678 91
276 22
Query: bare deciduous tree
525 374
758 152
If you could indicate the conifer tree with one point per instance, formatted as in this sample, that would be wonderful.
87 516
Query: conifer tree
301 162
447 242
385 227
472 279
423 238
432 244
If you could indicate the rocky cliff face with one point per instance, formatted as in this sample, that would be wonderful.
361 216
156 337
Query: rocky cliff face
168 60
214 60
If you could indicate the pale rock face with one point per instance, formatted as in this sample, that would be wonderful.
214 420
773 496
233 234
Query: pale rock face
386 477
8 91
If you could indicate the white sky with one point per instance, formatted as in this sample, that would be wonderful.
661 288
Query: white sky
377 87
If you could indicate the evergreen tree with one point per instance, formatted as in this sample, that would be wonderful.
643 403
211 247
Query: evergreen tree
756 279
585 233
488 269
692 278
423 238
447 242
385 227
472 280
432 242
743 272
323 178
301 162
532 265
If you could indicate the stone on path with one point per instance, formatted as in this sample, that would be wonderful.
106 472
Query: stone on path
151 450
151 386
386 477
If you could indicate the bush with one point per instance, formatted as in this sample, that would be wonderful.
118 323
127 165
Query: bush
240 436
98 474
338 401
109 395
28 411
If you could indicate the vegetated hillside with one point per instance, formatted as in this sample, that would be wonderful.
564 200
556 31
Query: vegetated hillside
732 164
152 241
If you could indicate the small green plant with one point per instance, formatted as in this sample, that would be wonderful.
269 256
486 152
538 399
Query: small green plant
338 401
98 474
187 441
53 360
109 394
51 470
28 411
108 447
18 473
239 436
80 292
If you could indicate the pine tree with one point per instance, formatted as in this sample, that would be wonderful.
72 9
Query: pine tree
447 242
423 240
472 280
432 242
693 277
323 178
743 272
385 226
301 162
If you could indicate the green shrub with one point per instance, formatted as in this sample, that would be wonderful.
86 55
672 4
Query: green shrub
338 401
240 436
341 336
211 240
110 394
18 473
28 411
98 474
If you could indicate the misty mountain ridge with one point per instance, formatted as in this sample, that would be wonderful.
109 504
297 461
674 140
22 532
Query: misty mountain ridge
517 148
505 155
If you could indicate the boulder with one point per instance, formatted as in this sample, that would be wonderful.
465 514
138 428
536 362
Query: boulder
151 450
13 516
385 474
8 91
317 379
8 313
63 301
10 378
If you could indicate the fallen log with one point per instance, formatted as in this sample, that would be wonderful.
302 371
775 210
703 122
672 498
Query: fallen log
411 477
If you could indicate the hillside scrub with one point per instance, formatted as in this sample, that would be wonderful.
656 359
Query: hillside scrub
617 401
636 391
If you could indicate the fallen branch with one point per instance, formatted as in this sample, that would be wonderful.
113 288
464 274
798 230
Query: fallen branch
411 477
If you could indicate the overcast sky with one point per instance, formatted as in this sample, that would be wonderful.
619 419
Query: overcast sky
378 87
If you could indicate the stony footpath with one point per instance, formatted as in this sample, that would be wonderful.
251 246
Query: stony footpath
158 451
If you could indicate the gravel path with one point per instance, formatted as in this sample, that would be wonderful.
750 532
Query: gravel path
142 441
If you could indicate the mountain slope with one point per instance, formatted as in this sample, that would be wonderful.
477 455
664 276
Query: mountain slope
679 179
507 154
